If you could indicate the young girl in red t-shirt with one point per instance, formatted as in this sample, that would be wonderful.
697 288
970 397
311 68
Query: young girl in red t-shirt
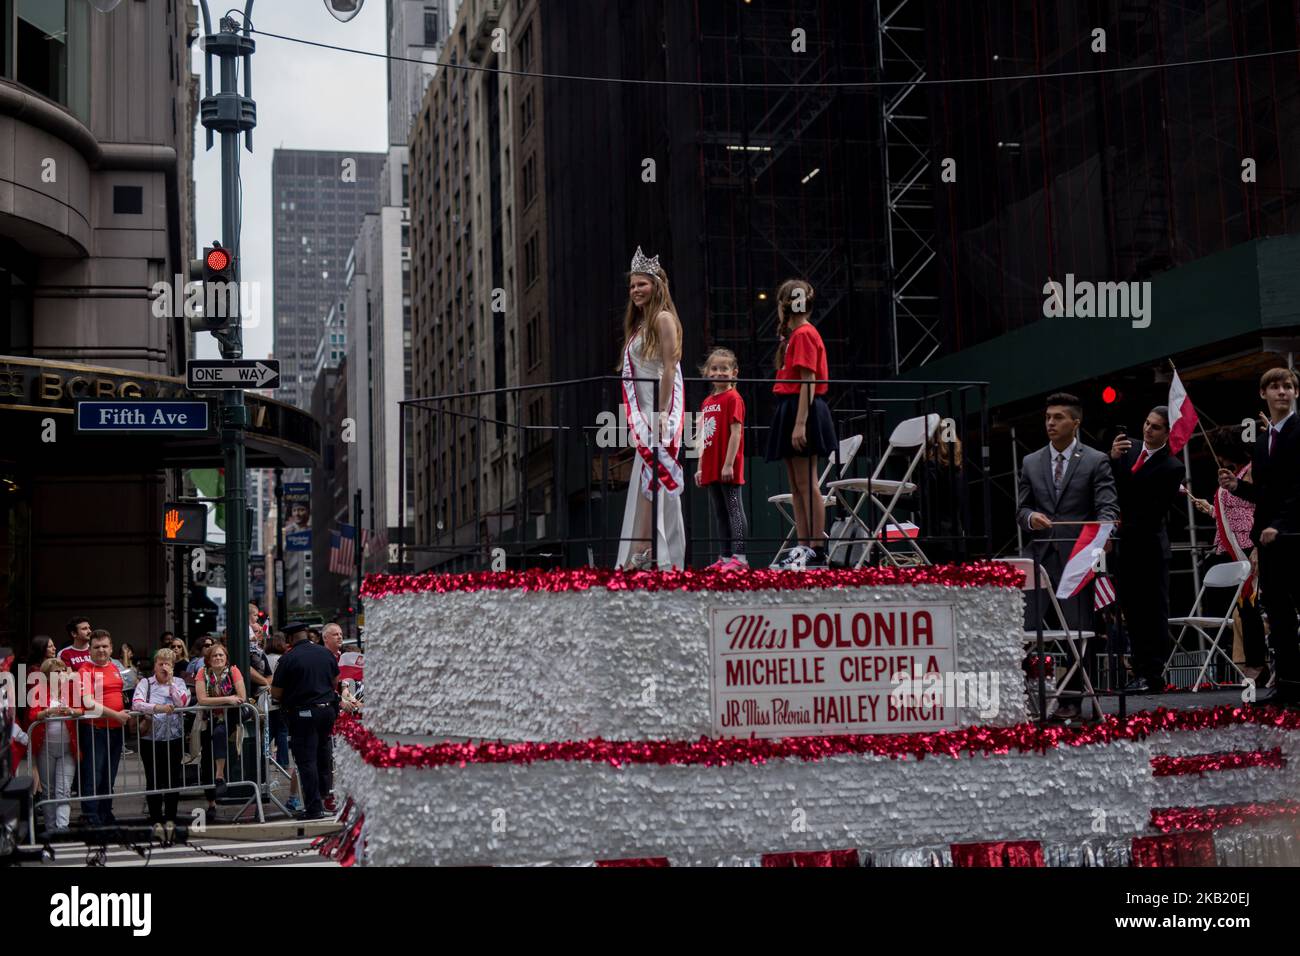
722 458
802 430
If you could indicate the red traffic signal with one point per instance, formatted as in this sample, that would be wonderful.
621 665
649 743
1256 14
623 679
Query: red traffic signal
218 265
1109 395
220 298
217 259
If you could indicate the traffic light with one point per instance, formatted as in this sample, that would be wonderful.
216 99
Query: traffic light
219 292
1110 395
184 523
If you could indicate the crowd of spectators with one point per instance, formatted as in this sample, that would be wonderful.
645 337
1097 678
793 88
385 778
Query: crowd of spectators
183 712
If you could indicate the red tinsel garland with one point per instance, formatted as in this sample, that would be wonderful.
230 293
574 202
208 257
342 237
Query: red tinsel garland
1196 819
986 741
1001 853
1163 765
1180 849
977 574
812 858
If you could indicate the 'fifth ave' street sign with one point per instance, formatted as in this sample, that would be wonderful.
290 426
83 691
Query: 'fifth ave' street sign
203 375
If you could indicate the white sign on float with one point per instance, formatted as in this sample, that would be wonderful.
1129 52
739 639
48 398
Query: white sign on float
832 669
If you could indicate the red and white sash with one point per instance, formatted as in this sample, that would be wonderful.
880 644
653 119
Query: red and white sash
1225 532
661 466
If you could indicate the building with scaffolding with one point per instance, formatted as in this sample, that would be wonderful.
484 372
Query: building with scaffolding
929 215
1171 185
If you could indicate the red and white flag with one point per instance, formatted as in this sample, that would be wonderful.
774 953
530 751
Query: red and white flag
1182 416
1081 567
897 532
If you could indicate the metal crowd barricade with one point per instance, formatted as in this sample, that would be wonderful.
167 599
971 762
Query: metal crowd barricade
196 774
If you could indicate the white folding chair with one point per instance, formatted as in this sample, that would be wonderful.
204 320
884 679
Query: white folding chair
914 433
785 503
1222 576
1065 639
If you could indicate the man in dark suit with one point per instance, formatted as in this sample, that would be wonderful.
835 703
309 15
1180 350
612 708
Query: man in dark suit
1065 481
1275 492
1147 478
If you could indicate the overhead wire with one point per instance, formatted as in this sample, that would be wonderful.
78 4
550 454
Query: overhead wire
841 84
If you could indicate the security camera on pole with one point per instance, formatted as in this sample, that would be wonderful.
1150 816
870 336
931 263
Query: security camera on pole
229 113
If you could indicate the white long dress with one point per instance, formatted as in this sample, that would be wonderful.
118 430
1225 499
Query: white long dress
671 532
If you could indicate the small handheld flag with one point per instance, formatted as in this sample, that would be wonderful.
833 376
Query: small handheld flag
1081 567
1182 415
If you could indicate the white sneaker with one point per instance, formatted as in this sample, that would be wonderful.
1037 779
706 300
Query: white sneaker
796 559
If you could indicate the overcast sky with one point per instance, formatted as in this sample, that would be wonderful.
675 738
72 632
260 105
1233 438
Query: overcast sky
307 98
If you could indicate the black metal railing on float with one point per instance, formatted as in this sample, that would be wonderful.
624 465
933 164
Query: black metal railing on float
536 476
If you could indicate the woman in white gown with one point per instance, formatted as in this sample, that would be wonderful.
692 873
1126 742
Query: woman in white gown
652 351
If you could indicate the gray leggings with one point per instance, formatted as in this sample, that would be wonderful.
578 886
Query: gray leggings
729 518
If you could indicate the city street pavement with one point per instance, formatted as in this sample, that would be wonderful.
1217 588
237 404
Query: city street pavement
205 851
280 841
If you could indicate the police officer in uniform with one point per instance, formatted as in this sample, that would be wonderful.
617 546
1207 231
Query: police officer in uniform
306 687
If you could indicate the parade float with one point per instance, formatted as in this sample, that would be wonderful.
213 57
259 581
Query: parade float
869 717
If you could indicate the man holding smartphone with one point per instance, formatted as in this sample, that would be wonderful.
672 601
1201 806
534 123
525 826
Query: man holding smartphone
1275 492
1147 479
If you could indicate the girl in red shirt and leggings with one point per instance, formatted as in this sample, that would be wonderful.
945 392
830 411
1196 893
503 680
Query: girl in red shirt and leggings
802 430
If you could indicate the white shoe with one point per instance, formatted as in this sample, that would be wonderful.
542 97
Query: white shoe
796 559
641 561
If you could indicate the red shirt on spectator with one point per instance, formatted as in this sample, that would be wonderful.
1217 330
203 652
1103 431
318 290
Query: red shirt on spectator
75 658
717 414
803 349
112 689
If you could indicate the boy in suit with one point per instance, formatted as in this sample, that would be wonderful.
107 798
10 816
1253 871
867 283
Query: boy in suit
1147 479
1065 481
1275 492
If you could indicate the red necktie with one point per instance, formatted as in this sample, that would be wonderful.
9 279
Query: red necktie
1141 458
1272 440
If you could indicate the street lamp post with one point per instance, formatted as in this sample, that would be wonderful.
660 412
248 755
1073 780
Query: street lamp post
230 113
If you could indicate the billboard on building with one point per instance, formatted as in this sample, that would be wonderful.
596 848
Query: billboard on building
297 505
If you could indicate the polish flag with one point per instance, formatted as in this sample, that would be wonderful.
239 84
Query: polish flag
1079 570
1182 416
897 532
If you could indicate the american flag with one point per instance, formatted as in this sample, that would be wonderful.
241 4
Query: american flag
343 550
1103 592
375 549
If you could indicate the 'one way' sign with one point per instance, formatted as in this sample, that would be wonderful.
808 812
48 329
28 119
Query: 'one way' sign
203 375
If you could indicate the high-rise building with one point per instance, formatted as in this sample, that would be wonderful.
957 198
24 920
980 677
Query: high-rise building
466 297
378 359
318 198
417 30
97 123
735 190
376 375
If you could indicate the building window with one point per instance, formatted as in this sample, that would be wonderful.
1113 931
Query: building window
530 179
532 265
49 52
533 341
431 26
526 112
526 49
128 200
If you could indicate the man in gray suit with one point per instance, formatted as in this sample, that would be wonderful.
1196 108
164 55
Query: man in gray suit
1065 481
